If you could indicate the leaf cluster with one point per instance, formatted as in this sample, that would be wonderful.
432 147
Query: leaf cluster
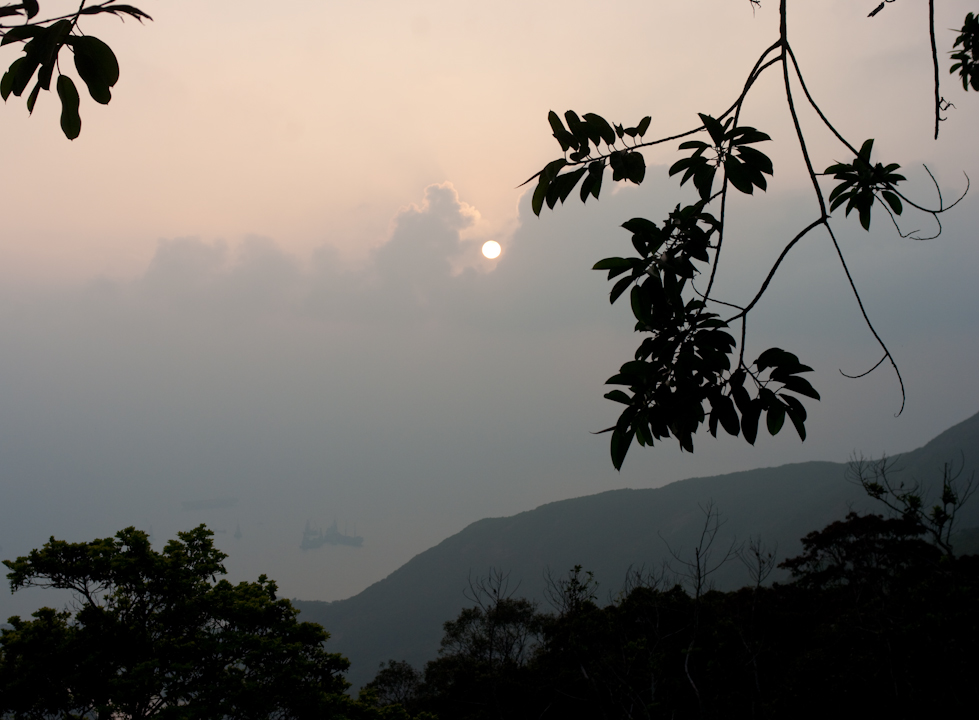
43 42
861 182
967 58
578 137
730 148
687 363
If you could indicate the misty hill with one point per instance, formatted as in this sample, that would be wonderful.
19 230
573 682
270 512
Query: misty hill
401 616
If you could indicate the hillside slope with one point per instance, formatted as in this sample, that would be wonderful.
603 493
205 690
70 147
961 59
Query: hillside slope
401 616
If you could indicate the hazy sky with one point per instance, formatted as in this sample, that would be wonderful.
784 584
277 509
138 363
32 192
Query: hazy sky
256 274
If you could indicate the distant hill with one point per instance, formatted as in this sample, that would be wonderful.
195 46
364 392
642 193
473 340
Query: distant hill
401 616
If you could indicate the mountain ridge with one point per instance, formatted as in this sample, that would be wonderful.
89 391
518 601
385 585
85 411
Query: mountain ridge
401 616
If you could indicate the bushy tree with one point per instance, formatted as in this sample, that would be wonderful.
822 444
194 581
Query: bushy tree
692 366
483 669
397 683
157 634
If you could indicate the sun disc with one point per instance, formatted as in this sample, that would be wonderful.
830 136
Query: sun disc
492 249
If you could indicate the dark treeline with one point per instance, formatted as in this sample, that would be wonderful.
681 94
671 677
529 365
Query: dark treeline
878 620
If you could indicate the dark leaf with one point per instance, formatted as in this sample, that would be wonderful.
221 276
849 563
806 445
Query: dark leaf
621 379
865 150
613 262
756 159
685 164
736 175
635 167
32 98
619 288
545 177
744 135
749 421
21 32
714 128
7 82
24 73
540 193
555 121
639 307
724 408
704 180
71 123
593 183
619 397
775 356
640 225
621 440
44 75
797 414
894 201
563 185
800 386
96 65
564 138
865 218
601 126
116 10
775 417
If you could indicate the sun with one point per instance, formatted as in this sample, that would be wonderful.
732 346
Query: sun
492 249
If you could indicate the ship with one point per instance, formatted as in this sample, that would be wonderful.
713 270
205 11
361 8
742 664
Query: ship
318 538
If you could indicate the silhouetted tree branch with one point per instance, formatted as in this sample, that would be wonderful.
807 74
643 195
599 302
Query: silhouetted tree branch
689 369
910 500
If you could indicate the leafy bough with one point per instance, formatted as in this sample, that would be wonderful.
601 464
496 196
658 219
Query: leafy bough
43 41
689 368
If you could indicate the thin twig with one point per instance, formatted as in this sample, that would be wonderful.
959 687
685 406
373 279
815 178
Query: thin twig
866 318
934 60
771 273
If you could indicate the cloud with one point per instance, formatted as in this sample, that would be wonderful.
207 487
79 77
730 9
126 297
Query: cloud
414 270
426 237
412 277
190 274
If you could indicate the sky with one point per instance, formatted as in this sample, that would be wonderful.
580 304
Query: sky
255 277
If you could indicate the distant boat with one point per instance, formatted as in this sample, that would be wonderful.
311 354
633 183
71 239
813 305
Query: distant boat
238 531
317 538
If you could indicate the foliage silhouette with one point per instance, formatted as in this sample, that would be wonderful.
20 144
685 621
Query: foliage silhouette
690 368
910 500
870 601
43 41
157 634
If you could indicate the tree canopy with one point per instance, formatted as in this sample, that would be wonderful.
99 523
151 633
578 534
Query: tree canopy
157 634
692 365
869 600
